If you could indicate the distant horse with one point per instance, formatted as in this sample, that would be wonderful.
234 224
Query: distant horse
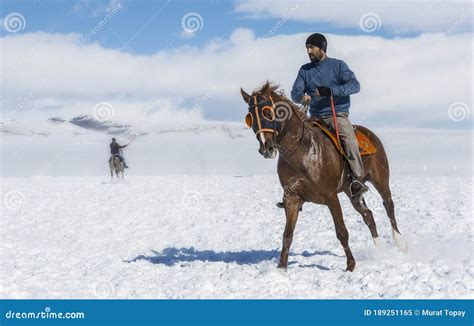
311 169
115 165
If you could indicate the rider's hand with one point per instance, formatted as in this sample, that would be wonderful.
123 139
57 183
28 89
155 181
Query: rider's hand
306 99
323 91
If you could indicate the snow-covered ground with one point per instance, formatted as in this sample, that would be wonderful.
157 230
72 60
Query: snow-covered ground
219 237
196 217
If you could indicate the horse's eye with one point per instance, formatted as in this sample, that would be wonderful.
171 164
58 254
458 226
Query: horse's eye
268 113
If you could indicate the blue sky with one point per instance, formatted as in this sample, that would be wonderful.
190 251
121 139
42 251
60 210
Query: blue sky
413 59
145 27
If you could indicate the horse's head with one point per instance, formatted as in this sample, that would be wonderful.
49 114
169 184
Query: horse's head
262 118
269 112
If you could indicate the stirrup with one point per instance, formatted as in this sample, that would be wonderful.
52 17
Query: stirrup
362 190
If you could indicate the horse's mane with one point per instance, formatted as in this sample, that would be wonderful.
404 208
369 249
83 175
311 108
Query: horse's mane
270 89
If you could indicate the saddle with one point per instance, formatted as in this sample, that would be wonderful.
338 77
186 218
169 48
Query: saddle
366 147
112 156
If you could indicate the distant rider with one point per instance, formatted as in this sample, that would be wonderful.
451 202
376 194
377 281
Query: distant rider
116 149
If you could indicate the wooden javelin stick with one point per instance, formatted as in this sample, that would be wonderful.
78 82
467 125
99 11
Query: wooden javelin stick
335 119
133 138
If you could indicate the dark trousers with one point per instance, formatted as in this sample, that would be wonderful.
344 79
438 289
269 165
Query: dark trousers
120 158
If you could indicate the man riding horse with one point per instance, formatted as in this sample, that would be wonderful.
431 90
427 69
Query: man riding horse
116 150
310 167
316 82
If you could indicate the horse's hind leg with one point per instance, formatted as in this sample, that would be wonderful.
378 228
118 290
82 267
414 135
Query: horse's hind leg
367 215
111 171
341 230
383 188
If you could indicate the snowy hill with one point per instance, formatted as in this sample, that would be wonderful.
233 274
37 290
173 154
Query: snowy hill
79 147
88 122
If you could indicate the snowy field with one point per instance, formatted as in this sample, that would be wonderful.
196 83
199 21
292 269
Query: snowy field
220 237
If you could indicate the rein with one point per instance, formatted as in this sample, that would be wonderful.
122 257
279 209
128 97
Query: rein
297 143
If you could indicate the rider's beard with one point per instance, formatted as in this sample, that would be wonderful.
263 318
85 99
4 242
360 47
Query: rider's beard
314 59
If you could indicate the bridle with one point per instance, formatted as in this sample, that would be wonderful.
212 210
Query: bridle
263 123
261 127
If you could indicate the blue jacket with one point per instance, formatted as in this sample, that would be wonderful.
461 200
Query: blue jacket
332 73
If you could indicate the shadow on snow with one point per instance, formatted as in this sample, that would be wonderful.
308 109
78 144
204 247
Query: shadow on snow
171 256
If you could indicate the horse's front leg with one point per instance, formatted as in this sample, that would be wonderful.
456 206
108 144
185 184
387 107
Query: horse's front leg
292 207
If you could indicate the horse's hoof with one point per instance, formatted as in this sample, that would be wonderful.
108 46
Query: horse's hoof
351 266
400 242
282 266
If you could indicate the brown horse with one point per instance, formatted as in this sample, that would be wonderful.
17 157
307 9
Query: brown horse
311 169
115 165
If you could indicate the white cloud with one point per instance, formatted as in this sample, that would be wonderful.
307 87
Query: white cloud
398 16
242 36
187 35
98 8
408 81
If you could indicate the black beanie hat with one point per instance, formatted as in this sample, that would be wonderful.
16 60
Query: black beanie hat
318 40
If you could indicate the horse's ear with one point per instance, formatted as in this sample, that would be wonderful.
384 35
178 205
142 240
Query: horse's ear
267 88
245 96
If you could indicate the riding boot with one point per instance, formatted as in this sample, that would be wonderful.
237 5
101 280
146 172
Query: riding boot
357 188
